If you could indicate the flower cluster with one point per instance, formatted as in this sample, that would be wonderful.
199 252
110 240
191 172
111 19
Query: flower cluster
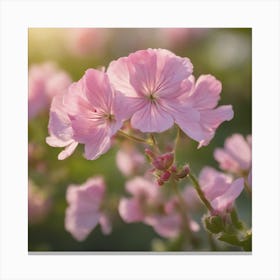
149 92
152 88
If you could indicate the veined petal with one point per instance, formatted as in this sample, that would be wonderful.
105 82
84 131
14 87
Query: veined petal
98 90
152 118
98 146
206 92
119 77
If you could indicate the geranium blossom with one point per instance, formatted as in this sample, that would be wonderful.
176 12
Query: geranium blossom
160 90
84 211
147 205
95 113
153 81
236 157
44 82
219 189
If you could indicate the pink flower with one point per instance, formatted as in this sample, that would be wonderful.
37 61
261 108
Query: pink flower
38 204
86 41
95 113
44 82
176 37
197 116
60 129
153 82
147 205
236 157
129 160
219 189
84 210
160 90
144 193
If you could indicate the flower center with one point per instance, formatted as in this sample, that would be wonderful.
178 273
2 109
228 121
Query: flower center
152 96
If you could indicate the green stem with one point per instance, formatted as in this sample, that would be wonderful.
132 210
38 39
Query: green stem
177 140
134 138
154 143
200 193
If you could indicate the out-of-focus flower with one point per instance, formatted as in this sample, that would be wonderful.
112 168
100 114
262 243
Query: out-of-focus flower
219 189
44 82
191 198
95 113
236 157
39 204
129 160
153 81
60 130
177 37
147 205
85 208
87 41
204 117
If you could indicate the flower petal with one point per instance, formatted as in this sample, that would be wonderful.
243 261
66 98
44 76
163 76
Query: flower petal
151 118
130 210
225 201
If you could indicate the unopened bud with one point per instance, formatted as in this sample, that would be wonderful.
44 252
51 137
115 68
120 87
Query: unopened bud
165 176
184 172
164 161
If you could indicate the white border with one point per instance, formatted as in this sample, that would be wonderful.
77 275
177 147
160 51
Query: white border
17 16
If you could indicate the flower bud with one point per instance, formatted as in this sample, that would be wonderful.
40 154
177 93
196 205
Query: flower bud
165 176
183 173
164 161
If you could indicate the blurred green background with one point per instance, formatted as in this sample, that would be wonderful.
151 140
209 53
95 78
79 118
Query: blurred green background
224 53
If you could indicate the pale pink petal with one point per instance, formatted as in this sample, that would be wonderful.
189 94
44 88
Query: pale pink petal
98 90
105 223
60 130
80 224
68 151
141 187
225 201
212 119
239 150
130 210
206 93
151 118
118 73
82 214
129 161
100 146
226 161
167 226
